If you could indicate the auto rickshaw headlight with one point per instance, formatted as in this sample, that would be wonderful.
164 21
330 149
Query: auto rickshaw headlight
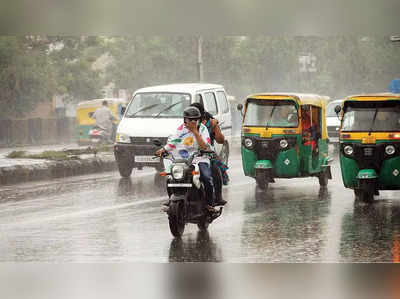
348 150
248 143
283 143
390 149
177 172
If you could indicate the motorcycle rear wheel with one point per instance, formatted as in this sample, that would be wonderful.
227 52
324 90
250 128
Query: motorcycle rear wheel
176 219
203 225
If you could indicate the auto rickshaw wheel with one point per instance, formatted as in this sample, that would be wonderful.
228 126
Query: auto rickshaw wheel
323 178
364 196
262 180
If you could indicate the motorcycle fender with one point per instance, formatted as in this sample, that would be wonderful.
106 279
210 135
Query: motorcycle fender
263 164
196 177
367 174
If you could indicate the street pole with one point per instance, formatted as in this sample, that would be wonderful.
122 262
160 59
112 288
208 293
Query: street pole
200 59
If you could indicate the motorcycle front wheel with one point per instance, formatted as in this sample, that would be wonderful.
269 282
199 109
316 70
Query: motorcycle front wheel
176 218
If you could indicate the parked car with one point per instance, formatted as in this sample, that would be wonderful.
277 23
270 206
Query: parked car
156 112
333 122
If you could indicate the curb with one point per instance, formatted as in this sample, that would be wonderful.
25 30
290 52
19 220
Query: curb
56 169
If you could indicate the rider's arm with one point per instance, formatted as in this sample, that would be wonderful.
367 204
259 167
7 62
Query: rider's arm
219 137
203 138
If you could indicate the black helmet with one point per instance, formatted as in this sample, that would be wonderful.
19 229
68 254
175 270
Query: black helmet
191 112
200 107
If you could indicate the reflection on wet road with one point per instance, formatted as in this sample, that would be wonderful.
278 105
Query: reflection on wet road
105 218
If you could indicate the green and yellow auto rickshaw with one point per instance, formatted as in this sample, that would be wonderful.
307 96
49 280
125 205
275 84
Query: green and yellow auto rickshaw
85 110
370 143
284 135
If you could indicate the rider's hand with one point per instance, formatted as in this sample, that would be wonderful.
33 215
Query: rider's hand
160 151
191 125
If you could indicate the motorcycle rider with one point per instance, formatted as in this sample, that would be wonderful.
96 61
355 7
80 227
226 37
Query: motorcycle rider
104 119
216 136
190 137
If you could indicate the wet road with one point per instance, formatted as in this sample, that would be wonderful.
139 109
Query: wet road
103 218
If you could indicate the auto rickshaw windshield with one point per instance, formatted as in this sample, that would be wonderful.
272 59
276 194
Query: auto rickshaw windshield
264 113
371 117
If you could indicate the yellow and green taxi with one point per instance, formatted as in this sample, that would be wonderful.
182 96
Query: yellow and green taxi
370 143
279 141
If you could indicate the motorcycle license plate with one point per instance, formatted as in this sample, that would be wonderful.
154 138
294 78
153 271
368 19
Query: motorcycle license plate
147 159
186 185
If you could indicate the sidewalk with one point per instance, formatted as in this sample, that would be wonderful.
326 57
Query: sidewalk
14 171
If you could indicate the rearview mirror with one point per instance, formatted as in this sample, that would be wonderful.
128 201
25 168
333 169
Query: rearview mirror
123 109
239 107
338 109
90 114
157 142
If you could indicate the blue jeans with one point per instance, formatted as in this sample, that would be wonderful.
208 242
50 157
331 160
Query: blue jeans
206 178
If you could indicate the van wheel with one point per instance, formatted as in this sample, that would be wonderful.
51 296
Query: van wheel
262 181
224 155
125 169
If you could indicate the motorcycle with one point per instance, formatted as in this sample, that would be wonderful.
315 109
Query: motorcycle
187 197
98 135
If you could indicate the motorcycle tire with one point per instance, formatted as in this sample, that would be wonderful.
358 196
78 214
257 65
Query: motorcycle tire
203 224
176 218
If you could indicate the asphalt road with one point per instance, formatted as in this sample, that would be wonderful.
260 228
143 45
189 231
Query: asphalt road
103 218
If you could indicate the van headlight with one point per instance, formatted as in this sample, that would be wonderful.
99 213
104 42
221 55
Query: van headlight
348 150
283 143
390 149
123 138
177 172
248 143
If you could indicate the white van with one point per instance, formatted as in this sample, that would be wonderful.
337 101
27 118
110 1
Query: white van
156 112
333 122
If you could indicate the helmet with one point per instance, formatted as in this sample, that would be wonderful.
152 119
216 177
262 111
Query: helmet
191 113
200 107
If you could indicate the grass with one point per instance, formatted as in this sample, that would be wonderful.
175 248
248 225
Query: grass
69 154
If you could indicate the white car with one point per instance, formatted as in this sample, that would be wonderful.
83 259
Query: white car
156 112
333 122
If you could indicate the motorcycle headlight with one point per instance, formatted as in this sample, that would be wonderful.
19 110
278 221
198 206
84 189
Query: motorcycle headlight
390 149
283 143
122 138
348 150
248 143
177 172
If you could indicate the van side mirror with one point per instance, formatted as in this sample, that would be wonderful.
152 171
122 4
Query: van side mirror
338 109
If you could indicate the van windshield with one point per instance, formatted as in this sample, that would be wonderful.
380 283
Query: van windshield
158 104
371 117
264 113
